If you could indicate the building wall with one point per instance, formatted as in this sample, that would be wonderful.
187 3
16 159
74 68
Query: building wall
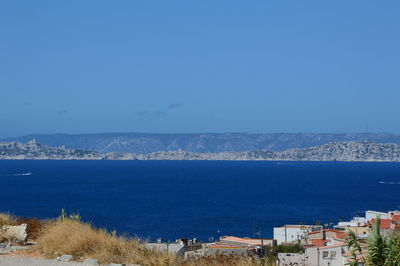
369 215
286 234
312 256
226 251
359 230
289 259
330 260
316 257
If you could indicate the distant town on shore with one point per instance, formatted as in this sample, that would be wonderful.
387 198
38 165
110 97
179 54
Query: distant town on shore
359 151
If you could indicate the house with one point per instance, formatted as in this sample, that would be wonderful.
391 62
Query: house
292 233
179 247
231 245
387 225
333 254
247 241
323 235
362 226
356 221
358 230
173 248
369 215
322 247
330 255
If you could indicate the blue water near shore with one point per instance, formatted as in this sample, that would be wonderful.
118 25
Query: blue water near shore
203 199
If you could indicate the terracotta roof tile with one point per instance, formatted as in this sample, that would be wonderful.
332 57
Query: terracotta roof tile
385 223
396 218
319 242
341 234
334 246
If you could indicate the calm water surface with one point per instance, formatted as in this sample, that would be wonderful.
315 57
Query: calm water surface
202 199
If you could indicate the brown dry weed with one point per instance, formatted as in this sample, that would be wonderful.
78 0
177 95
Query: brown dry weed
83 241
7 219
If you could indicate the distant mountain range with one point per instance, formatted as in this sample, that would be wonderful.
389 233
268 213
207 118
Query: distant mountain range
335 151
143 143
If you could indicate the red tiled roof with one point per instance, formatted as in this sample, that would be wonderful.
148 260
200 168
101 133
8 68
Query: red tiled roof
341 234
385 223
319 242
396 218
335 245
330 230
250 241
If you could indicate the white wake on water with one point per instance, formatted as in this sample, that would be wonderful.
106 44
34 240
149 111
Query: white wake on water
389 183
20 174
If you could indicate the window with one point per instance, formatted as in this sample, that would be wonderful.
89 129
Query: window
325 254
333 254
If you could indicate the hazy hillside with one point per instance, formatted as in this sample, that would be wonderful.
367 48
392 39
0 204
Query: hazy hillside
200 143
33 150
336 151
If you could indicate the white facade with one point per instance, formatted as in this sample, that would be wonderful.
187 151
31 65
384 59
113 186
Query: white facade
369 215
332 256
289 259
292 233
326 256
314 256
356 221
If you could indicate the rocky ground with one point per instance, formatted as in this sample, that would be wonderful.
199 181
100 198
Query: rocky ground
23 261
12 255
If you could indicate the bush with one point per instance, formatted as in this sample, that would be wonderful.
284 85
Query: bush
82 240
7 219
35 226
285 248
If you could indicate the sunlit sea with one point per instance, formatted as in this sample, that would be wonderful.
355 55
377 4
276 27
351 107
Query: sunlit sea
202 199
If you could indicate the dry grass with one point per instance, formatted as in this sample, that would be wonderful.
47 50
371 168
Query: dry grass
7 219
82 240
35 226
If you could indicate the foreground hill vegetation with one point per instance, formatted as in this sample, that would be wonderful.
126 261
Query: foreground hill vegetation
69 235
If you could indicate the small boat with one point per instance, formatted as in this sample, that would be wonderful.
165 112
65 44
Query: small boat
24 174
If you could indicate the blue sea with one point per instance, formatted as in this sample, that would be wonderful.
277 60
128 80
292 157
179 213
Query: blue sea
203 199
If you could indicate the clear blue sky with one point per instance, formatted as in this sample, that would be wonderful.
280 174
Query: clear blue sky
199 66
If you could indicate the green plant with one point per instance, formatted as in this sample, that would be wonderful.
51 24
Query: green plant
381 250
355 248
376 246
73 216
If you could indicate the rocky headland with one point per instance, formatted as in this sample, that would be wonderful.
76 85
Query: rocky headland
335 151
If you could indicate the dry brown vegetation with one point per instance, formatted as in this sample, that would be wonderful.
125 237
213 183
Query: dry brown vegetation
34 225
82 240
7 219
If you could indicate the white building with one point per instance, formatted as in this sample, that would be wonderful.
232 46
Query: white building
369 215
289 259
292 233
356 221
332 255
